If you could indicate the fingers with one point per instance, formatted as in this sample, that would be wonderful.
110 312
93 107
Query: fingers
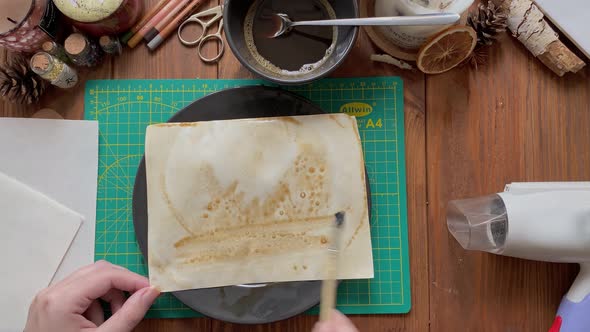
116 298
84 271
99 282
337 323
132 311
75 275
95 313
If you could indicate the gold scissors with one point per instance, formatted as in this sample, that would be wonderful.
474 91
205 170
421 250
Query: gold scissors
217 13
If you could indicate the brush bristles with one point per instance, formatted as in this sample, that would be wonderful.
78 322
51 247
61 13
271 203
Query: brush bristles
340 218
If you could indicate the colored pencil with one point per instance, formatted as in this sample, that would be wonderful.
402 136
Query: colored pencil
155 30
152 22
146 18
169 29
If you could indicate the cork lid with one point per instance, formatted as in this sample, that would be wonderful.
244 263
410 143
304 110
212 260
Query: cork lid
75 44
13 14
87 11
48 46
41 62
105 40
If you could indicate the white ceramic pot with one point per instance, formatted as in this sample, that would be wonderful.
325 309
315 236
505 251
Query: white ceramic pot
412 37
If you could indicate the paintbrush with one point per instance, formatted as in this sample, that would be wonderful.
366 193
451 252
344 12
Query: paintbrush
330 283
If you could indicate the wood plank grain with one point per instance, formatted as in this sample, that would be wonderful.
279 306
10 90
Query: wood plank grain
557 132
305 323
471 133
5 109
176 325
510 121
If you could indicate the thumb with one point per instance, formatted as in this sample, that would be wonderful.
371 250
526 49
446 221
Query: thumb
336 323
132 311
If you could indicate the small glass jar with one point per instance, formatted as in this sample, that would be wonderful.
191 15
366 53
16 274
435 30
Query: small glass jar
54 70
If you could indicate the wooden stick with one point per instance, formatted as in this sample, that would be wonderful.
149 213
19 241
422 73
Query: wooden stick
386 58
328 299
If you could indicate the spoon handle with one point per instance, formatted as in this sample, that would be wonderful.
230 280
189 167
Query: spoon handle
427 19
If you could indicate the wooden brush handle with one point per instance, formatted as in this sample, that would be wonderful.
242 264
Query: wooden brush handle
330 283
328 299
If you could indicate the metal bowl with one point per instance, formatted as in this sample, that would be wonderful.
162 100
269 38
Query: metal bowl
234 14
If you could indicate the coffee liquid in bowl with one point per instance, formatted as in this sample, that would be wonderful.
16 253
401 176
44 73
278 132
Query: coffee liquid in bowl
298 51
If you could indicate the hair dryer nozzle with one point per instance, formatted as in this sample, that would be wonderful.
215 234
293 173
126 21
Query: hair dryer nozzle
479 223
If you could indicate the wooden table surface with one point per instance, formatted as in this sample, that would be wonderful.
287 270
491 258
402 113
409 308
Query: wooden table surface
468 133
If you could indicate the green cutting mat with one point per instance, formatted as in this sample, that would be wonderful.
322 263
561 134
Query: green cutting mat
125 108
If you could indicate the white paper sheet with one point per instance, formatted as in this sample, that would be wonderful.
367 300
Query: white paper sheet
571 16
36 233
253 201
60 159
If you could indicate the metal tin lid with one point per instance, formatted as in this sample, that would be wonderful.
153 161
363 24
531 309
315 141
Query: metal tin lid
88 11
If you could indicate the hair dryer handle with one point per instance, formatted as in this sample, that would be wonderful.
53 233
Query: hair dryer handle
572 317
573 314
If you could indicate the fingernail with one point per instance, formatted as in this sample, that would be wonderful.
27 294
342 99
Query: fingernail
150 294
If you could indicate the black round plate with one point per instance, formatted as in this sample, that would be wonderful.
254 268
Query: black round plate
238 304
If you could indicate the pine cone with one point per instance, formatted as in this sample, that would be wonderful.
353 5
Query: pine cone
488 22
19 84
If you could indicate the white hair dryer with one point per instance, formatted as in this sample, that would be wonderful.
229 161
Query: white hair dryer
539 221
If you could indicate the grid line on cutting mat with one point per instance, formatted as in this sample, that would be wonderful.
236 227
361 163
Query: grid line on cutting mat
125 108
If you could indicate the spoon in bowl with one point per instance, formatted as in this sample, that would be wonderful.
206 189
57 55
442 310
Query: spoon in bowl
283 24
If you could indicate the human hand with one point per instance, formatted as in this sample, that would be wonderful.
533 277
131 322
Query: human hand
337 323
72 305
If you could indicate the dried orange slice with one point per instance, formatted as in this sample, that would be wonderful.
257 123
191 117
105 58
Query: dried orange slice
446 50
